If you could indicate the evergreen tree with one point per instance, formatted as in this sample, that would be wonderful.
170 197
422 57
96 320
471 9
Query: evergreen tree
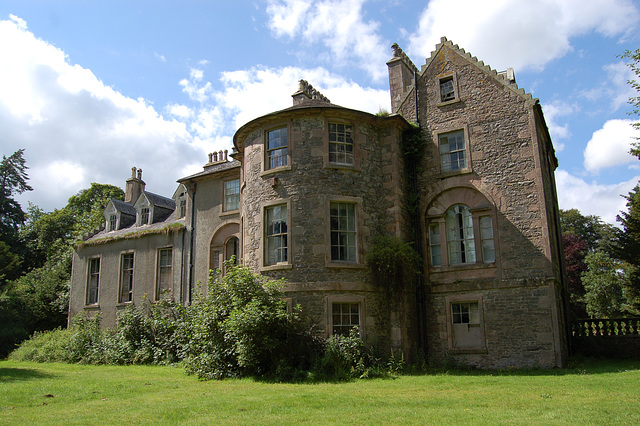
627 248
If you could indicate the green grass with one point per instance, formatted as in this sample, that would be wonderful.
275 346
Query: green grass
595 392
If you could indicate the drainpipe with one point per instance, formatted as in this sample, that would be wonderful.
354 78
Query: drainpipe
192 239
420 284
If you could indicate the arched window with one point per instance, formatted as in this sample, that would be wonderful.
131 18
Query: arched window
460 241
231 249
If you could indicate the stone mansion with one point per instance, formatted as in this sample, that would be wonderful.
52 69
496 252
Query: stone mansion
307 190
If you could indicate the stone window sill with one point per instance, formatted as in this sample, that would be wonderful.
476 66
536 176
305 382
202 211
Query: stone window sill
344 265
447 103
278 267
276 170
92 307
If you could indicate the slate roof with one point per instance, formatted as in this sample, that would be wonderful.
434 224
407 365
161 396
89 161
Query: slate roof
217 168
160 201
123 207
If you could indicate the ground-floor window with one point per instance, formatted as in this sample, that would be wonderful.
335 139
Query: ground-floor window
126 278
466 324
345 316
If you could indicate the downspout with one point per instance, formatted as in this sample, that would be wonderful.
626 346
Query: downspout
192 239
417 229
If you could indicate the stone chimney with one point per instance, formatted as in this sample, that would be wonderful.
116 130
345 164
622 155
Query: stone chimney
216 158
135 186
401 76
306 92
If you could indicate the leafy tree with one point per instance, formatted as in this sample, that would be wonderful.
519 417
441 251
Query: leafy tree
575 251
603 282
634 57
13 181
88 205
627 248
591 229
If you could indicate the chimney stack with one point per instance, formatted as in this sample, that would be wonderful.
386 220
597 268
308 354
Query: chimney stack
134 186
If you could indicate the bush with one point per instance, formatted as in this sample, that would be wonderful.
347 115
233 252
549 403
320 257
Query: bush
242 328
46 346
347 357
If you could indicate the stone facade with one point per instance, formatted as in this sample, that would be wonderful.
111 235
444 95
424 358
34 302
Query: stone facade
311 186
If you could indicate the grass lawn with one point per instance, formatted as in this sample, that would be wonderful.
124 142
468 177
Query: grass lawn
596 392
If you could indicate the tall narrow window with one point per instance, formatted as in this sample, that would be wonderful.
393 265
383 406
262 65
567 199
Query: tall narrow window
340 143
183 207
93 281
165 272
144 216
435 245
231 195
486 236
276 234
453 154
113 222
447 90
460 241
343 231
276 148
231 249
345 316
126 278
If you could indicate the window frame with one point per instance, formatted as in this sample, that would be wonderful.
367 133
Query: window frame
287 157
336 263
90 274
286 264
160 292
113 222
465 150
443 78
226 196
452 327
477 215
343 299
146 210
338 143
130 276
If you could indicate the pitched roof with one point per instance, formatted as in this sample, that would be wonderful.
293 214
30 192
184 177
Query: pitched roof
217 168
159 200
123 207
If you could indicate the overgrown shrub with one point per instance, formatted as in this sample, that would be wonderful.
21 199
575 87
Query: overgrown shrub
393 264
242 328
46 346
347 357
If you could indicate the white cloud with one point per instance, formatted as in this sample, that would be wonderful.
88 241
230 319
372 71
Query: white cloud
519 34
194 88
592 198
338 24
75 130
609 146
273 87
552 113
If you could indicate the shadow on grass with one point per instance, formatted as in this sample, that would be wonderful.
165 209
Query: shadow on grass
16 374
575 366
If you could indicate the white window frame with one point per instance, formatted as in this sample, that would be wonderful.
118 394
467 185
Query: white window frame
128 275
283 158
268 238
343 228
113 222
164 271
341 137
231 200
91 274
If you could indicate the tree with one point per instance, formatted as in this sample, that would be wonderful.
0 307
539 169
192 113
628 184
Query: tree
591 229
627 248
575 251
13 181
634 57
603 283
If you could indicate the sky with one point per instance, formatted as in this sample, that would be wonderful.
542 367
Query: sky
90 89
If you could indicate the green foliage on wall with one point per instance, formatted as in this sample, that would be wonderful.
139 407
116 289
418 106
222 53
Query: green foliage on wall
393 264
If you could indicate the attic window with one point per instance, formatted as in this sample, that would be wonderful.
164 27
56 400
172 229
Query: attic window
144 213
447 89
113 222
183 207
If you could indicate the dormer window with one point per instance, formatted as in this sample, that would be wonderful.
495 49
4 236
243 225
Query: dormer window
113 222
144 216
183 207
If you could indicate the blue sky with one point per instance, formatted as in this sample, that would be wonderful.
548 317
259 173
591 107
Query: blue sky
93 88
